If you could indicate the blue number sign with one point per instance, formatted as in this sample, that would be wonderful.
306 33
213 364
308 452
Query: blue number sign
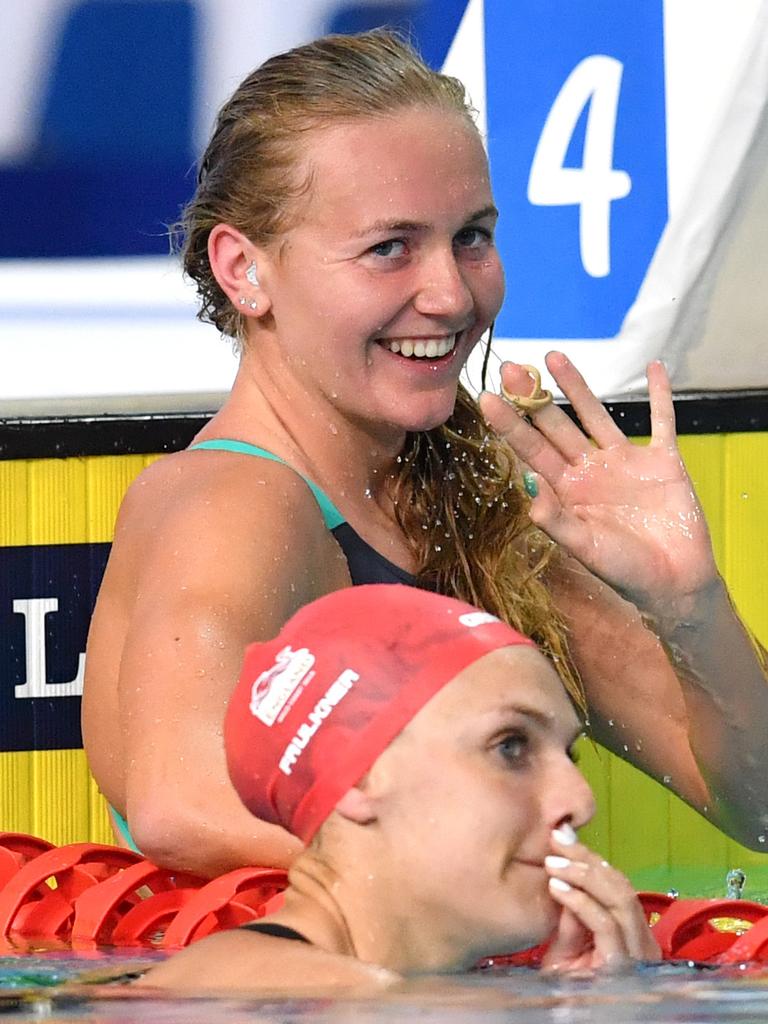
577 141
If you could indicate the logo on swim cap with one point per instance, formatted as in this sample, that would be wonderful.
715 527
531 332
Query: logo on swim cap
272 690
473 619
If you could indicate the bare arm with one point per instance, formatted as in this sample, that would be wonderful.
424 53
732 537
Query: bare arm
221 563
698 701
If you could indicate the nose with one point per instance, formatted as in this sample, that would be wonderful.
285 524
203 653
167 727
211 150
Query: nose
443 291
571 799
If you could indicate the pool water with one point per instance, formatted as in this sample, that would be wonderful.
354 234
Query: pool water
50 988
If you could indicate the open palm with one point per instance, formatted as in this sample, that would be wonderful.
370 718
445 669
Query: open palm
628 513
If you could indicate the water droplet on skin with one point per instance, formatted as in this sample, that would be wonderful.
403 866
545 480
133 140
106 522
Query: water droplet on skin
666 779
367 492
610 722
333 428
438 548
761 839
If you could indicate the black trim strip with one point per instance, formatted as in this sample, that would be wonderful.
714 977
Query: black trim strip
731 412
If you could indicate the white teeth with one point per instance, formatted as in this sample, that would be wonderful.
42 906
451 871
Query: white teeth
420 349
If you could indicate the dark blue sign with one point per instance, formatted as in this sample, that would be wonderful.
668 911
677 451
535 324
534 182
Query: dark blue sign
47 595
577 141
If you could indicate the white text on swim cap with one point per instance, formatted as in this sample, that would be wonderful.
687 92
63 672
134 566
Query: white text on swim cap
335 693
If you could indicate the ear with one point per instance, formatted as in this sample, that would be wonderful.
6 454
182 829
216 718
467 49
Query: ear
230 254
357 806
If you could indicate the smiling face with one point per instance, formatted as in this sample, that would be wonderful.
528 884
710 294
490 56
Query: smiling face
470 792
389 276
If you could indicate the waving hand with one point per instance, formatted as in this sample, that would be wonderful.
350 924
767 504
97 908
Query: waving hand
629 513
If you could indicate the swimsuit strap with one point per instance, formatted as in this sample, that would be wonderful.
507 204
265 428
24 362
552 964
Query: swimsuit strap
331 514
122 827
279 931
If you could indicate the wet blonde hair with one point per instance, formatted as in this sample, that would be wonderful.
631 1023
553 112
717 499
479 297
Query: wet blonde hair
457 488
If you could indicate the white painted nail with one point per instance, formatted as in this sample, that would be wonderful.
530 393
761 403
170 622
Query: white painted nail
564 835
553 861
559 885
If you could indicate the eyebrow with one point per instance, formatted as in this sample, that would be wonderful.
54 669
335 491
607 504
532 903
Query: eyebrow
411 226
541 719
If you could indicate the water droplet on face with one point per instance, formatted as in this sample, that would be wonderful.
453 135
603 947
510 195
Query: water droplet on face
666 779
367 492
333 428
761 839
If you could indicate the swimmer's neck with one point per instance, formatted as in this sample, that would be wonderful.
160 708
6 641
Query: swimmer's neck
361 912
339 454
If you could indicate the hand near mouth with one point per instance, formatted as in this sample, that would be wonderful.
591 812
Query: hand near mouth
602 923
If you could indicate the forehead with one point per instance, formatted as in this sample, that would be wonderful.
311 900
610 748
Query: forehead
510 676
405 166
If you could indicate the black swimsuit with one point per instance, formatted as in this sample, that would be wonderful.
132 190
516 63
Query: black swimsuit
280 931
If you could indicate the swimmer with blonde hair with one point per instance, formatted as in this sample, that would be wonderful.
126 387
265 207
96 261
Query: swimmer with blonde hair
423 752
342 232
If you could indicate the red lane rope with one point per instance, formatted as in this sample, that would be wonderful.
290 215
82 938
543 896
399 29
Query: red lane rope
86 895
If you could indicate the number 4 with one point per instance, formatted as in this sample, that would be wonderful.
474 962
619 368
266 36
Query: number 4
593 186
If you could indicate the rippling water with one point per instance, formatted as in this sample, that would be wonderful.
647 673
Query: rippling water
70 989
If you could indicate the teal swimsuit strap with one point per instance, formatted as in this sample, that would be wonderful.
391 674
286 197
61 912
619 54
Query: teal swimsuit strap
331 514
122 827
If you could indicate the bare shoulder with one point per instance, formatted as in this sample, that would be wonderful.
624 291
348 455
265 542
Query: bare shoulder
244 961
224 522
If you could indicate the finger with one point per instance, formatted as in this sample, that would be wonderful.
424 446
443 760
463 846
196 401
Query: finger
527 442
553 423
593 415
582 868
663 430
607 935
547 512
570 941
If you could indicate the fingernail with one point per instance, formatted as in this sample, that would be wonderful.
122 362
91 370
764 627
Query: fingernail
552 861
564 835
529 483
559 885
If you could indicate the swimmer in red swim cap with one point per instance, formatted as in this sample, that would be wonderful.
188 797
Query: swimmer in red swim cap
424 751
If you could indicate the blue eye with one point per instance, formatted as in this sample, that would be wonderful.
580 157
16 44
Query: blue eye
514 747
388 249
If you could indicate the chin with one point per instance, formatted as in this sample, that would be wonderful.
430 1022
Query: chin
427 419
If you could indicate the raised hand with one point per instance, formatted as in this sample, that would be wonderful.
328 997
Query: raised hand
628 513
602 923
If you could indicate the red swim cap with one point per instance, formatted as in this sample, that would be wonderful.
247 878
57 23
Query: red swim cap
316 706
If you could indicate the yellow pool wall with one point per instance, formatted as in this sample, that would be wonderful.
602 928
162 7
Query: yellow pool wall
640 827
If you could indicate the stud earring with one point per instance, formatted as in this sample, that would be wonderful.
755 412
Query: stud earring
241 300
251 276
253 304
